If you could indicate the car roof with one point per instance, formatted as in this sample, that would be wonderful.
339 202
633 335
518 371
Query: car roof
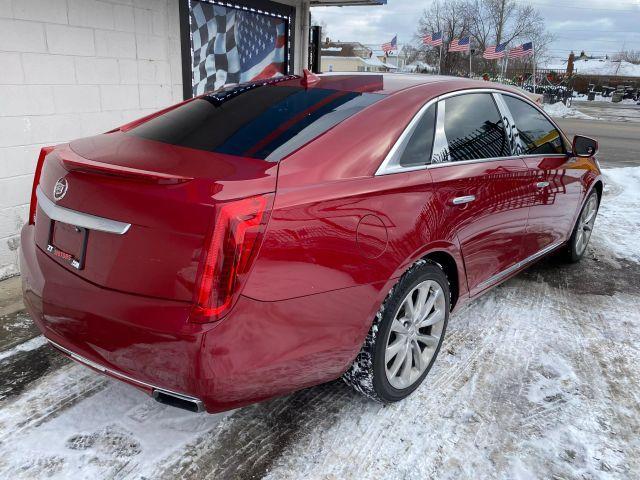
386 83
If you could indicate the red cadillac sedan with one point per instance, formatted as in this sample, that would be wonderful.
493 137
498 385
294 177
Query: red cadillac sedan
275 235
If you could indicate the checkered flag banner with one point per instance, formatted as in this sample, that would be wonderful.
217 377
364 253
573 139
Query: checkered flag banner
233 46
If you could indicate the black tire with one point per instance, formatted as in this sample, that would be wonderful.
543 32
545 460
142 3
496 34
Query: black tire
367 373
572 253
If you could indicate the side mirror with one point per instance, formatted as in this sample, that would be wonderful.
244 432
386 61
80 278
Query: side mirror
584 146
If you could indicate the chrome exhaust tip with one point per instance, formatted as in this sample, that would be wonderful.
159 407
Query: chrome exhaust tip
177 400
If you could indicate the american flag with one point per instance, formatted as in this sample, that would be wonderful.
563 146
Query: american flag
460 44
521 50
261 45
389 46
234 46
433 39
495 51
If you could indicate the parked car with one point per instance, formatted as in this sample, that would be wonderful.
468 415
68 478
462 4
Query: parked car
272 236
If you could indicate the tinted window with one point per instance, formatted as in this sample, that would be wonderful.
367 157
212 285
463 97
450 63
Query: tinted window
474 129
258 121
537 134
418 150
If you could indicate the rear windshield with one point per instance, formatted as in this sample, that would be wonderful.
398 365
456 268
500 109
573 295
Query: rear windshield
263 121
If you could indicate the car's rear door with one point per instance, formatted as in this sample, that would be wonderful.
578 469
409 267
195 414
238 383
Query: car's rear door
482 190
556 176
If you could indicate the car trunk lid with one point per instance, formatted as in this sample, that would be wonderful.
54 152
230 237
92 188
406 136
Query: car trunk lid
166 194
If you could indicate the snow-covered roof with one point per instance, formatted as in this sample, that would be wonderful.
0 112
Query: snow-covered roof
332 49
600 66
418 65
372 62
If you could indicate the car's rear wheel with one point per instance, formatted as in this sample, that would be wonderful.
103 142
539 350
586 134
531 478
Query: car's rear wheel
405 337
581 234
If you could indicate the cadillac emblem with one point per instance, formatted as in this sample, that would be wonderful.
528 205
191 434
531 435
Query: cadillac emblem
60 189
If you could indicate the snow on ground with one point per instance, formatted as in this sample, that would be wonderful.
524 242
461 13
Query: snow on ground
24 347
600 98
113 432
560 110
537 379
608 111
619 219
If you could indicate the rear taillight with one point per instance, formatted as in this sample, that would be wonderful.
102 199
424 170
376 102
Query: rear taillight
230 250
36 181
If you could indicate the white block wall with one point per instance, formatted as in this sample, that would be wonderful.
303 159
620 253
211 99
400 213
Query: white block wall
72 68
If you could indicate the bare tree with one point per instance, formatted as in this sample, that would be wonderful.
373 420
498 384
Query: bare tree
488 22
631 56
410 53
323 25
453 19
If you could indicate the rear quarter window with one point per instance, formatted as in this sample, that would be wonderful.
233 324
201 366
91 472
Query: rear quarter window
264 121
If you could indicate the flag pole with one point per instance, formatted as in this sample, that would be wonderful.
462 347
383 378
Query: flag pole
534 71
506 66
469 58
442 35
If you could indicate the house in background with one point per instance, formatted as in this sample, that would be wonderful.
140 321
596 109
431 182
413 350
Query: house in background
395 59
350 57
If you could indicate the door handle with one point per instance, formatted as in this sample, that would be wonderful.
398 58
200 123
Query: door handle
542 184
463 200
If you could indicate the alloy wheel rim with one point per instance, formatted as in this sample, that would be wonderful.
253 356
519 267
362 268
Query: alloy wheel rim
415 334
585 225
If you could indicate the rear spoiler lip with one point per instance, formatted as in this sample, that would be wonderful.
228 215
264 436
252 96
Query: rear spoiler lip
91 166
139 121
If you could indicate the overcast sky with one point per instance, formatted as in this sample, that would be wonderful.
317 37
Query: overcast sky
596 26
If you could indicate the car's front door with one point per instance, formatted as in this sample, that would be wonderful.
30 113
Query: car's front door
556 186
483 192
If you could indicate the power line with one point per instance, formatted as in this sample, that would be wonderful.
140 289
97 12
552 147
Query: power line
591 40
599 31
573 7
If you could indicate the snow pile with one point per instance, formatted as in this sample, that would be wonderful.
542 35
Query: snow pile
600 98
600 66
619 213
560 110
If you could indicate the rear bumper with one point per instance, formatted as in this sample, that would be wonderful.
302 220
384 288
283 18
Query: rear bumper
154 390
145 342
258 351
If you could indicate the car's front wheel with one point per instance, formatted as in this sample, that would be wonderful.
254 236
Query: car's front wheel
581 234
405 337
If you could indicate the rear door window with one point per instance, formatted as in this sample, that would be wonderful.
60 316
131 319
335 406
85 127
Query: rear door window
537 134
473 129
258 121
